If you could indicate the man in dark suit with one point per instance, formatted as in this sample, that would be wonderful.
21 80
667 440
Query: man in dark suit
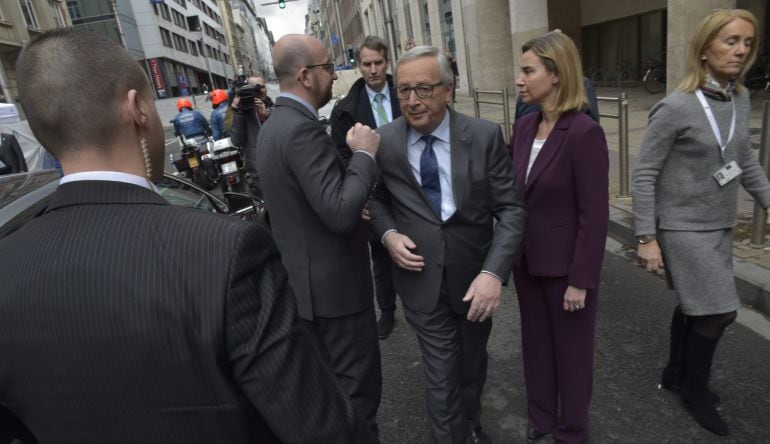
446 180
128 320
372 101
315 204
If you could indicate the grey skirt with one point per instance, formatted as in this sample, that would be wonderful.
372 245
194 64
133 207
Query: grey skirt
699 267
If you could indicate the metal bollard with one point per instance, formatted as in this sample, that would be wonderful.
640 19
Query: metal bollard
476 110
758 220
623 146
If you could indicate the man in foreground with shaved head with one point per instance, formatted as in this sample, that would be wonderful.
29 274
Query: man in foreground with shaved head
109 333
315 206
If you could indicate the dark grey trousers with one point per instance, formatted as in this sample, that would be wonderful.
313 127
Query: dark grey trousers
454 355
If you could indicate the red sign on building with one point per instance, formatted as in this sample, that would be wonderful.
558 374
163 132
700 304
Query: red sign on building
157 78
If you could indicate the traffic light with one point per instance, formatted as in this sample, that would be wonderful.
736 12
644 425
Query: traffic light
351 57
281 4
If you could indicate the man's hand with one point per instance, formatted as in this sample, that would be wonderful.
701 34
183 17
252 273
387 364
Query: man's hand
361 137
365 215
260 107
399 247
649 255
484 294
574 298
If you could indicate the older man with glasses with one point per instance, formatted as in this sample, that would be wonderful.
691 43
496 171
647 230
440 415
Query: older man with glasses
315 204
435 209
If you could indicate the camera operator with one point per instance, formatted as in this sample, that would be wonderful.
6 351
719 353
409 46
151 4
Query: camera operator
190 123
252 106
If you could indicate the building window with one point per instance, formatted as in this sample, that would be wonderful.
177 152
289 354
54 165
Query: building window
180 43
193 48
56 13
181 3
179 20
164 12
28 10
166 36
74 9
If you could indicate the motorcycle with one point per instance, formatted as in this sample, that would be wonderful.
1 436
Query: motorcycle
228 162
194 161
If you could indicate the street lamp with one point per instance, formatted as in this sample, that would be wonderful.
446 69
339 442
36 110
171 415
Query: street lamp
281 3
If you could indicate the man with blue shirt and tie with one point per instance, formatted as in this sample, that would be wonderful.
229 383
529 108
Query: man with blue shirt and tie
448 211
371 101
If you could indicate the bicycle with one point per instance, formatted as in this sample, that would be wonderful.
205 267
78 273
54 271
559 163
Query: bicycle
654 79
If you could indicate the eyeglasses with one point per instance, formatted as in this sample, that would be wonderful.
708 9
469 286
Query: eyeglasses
422 91
328 66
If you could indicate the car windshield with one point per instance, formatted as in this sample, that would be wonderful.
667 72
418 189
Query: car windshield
14 185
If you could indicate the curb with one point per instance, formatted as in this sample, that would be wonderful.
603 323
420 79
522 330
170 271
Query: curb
751 280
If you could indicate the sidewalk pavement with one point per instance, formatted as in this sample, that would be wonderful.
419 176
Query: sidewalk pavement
751 264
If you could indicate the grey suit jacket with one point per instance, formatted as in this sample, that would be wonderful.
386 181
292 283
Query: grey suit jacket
125 320
315 206
469 241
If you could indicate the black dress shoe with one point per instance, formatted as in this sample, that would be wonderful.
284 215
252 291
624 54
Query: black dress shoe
479 437
533 435
385 324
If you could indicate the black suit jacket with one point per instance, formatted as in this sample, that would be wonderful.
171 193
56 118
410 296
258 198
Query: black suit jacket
356 108
485 231
315 206
125 320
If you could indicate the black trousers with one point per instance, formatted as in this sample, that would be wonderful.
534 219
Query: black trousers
454 355
354 351
382 270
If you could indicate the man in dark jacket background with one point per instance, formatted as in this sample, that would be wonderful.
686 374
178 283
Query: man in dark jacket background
372 101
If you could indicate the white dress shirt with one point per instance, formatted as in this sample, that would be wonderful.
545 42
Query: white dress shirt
109 176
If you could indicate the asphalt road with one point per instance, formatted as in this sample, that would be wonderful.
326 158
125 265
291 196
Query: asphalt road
631 348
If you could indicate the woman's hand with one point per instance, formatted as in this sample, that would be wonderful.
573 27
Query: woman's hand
574 298
649 255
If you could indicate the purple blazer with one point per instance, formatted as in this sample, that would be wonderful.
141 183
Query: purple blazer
566 198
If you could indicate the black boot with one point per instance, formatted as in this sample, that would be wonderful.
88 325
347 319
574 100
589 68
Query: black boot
674 373
695 393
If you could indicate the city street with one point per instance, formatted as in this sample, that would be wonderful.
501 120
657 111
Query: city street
631 348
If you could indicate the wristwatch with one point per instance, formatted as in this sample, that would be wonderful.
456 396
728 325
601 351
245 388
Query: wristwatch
645 238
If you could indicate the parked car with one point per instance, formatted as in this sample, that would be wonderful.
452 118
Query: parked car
26 195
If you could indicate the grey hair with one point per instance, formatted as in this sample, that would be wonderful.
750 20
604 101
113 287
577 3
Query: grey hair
418 52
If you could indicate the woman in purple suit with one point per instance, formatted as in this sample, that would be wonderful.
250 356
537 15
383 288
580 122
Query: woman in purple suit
561 164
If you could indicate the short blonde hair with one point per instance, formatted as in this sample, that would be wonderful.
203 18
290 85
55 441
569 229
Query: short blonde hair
559 55
705 34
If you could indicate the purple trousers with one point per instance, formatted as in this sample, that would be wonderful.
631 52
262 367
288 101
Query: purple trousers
558 352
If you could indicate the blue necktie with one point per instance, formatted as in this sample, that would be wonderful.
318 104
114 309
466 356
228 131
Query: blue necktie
429 175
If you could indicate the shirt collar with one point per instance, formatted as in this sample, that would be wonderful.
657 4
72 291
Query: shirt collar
299 99
109 176
441 132
385 92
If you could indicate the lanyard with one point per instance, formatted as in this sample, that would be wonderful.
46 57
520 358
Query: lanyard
714 126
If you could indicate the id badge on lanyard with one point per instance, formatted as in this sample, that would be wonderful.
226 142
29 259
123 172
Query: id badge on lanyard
731 170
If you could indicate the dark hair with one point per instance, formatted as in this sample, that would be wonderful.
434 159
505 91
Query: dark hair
70 82
375 43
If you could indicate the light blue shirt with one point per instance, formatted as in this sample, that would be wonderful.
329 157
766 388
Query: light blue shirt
385 103
109 176
415 146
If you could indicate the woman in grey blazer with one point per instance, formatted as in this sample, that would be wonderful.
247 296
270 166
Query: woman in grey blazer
685 187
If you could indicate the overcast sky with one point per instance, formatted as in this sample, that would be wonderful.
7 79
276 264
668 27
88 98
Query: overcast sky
290 20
